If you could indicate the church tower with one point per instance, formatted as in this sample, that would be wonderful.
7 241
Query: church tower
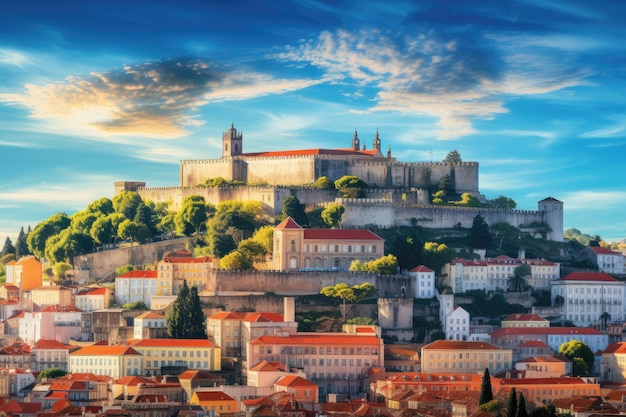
377 141
355 141
232 142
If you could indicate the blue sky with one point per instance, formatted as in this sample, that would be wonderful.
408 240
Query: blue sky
96 92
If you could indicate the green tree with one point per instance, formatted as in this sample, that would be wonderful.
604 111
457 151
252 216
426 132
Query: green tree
124 269
292 208
453 157
446 184
8 247
577 349
67 244
521 407
517 282
408 250
236 260
502 202
351 186
352 294
511 408
486 394
558 301
145 215
137 305
493 407
365 321
323 183
332 215
135 232
386 265
102 206
480 237
126 203
193 215
38 237
51 373
61 269
186 319
436 255
233 222
21 247
252 249
265 236
104 229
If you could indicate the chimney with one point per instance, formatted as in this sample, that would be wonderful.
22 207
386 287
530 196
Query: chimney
289 309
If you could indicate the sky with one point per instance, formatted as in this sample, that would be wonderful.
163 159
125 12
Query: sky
94 92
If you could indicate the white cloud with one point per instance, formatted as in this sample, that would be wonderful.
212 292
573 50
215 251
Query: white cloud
454 80
14 58
592 201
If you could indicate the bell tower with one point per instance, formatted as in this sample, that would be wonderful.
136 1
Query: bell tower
377 141
232 142
355 141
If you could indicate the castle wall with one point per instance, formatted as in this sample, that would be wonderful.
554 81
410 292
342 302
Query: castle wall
193 173
280 170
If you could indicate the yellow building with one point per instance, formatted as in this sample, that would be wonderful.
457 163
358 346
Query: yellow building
113 361
297 248
216 402
53 295
25 273
465 357
199 354
544 390
177 267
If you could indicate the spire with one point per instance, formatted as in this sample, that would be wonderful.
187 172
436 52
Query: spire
389 151
377 141
355 141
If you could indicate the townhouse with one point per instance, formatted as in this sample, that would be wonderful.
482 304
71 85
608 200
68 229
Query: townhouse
112 361
136 286
607 260
55 322
337 362
446 356
554 337
158 356
52 295
176 267
297 248
48 354
26 273
424 281
590 298
90 299
545 390
493 274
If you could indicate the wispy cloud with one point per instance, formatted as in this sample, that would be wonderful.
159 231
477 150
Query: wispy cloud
14 58
590 201
157 99
453 79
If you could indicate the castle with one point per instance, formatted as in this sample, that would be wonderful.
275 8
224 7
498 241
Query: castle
398 195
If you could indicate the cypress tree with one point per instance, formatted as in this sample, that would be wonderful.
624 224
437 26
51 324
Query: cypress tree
486 394
197 328
21 247
8 247
186 320
521 407
511 408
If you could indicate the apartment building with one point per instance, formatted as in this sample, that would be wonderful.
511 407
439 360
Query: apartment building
159 354
112 361
336 362
136 286
445 356
297 248
590 298
176 267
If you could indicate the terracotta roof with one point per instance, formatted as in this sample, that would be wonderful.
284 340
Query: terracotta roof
105 350
51 344
540 381
186 260
248 317
525 317
198 374
150 315
603 251
317 339
543 331
139 274
132 380
340 234
294 381
618 347
11 287
268 366
309 152
541 359
459 345
288 223
171 343
588 276
212 396
421 268
533 343
56 308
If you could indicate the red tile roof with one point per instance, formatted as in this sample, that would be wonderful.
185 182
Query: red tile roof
51 344
56 308
105 350
150 315
421 268
139 274
309 152
205 396
340 234
588 276
288 223
540 381
618 347
525 317
533 344
317 339
459 345
174 343
248 317
294 381
185 260
268 366
603 251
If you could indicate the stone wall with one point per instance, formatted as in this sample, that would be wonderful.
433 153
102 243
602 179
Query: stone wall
102 264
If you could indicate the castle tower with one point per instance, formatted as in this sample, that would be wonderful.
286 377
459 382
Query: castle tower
552 210
389 151
355 141
377 141
232 142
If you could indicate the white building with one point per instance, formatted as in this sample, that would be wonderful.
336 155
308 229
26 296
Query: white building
457 324
493 273
587 296
149 325
136 286
52 323
424 281
90 299
607 260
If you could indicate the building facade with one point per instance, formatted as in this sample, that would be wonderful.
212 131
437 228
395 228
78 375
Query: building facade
176 267
299 248
136 286
424 281
607 260
465 357
159 355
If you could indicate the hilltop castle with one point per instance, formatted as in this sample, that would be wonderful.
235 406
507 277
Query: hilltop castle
399 193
